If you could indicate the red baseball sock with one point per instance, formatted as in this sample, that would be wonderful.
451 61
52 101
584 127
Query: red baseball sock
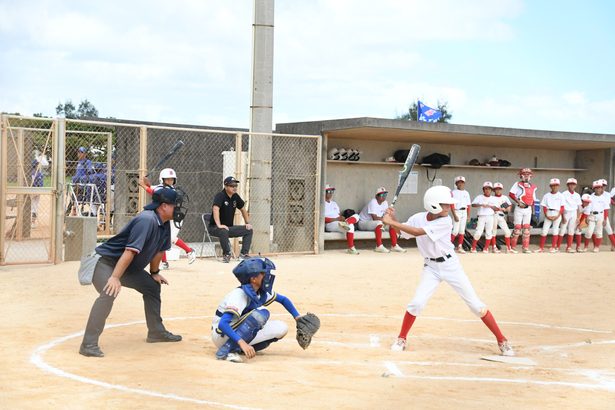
578 240
597 243
182 245
554 241
393 235
352 220
507 240
350 239
543 239
474 242
164 256
586 242
406 325
459 240
378 232
560 239
569 241
489 321
612 238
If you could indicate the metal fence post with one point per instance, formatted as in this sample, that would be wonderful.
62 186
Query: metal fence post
3 185
59 170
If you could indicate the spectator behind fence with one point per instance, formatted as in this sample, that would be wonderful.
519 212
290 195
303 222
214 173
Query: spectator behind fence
221 222
39 162
82 173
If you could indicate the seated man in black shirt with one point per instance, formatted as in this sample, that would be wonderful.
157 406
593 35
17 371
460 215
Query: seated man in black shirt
221 222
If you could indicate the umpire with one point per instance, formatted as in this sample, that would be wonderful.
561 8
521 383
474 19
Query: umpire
221 222
122 262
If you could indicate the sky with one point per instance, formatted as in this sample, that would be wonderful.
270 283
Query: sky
540 64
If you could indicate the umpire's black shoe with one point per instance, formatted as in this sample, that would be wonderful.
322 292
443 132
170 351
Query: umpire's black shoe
90 350
161 337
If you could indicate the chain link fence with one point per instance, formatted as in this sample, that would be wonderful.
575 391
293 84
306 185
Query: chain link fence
102 168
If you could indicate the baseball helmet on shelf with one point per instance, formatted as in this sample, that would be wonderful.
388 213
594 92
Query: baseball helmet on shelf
334 154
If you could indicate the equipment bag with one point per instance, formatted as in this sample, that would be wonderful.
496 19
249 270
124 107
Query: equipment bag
86 269
436 160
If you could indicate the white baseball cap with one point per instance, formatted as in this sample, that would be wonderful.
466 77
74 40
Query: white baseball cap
381 190
554 181
460 178
604 182
597 184
586 198
329 188
498 185
571 181
487 184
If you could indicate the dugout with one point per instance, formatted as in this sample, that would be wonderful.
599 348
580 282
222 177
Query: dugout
551 154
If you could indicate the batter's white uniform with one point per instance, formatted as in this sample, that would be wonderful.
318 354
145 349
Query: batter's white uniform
332 210
523 216
236 302
500 216
461 209
572 205
595 216
553 203
485 216
366 223
605 200
436 244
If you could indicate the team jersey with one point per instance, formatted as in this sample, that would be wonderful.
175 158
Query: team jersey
462 197
236 302
593 208
603 199
502 202
524 192
332 210
373 207
485 200
572 200
436 242
553 203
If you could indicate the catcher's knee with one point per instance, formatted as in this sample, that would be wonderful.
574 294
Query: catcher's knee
279 329
261 316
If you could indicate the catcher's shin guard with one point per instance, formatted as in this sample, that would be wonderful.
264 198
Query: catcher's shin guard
247 331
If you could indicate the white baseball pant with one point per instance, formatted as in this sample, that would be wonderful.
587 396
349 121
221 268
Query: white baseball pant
369 225
607 226
522 216
485 223
547 224
500 221
451 272
335 227
570 224
459 227
594 225
273 329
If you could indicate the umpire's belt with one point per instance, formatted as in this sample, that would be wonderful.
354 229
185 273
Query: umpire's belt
440 259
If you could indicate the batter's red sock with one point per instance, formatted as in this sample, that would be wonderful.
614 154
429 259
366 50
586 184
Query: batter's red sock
507 240
406 324
183 245
164 256
578 240
489 321
612 238
474 242
393 235
459 240
352 220
543 239
569 241
378 232
350 239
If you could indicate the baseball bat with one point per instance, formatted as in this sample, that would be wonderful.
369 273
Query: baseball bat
169 154
413 155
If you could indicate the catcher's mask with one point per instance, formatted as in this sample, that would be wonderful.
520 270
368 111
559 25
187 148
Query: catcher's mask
251 267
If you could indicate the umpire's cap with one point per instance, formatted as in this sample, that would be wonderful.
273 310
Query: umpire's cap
162 196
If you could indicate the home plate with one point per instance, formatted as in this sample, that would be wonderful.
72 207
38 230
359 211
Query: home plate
512 360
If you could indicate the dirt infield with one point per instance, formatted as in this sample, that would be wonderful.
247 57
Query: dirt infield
556 310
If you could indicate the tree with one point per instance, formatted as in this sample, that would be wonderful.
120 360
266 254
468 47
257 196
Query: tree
412 114
86 110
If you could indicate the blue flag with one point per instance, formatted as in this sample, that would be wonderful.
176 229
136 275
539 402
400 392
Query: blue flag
427 114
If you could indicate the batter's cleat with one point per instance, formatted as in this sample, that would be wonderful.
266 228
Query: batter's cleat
344 225
90 350
191 256
381 249
226 258
397 248
162 337
526 250
352 251
506 349
460 249
164 265
399 345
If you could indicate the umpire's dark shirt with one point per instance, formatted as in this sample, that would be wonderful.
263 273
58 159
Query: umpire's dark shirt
145 234
227 207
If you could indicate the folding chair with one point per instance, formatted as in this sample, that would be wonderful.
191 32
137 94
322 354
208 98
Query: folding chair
206 218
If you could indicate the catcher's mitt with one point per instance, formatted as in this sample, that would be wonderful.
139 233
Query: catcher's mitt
582 224
307 326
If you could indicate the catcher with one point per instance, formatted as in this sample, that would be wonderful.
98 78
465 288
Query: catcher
241 323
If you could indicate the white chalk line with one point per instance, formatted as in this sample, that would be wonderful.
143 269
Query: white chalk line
598 376
37 359
579 344
393 369
374 340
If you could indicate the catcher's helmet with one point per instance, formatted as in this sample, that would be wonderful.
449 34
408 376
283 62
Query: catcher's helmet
525 171
435 196
250 267
167 173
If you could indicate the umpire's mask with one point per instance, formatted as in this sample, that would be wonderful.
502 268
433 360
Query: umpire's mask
180 211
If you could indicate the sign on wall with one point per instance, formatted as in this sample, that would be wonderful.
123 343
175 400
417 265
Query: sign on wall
411 185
